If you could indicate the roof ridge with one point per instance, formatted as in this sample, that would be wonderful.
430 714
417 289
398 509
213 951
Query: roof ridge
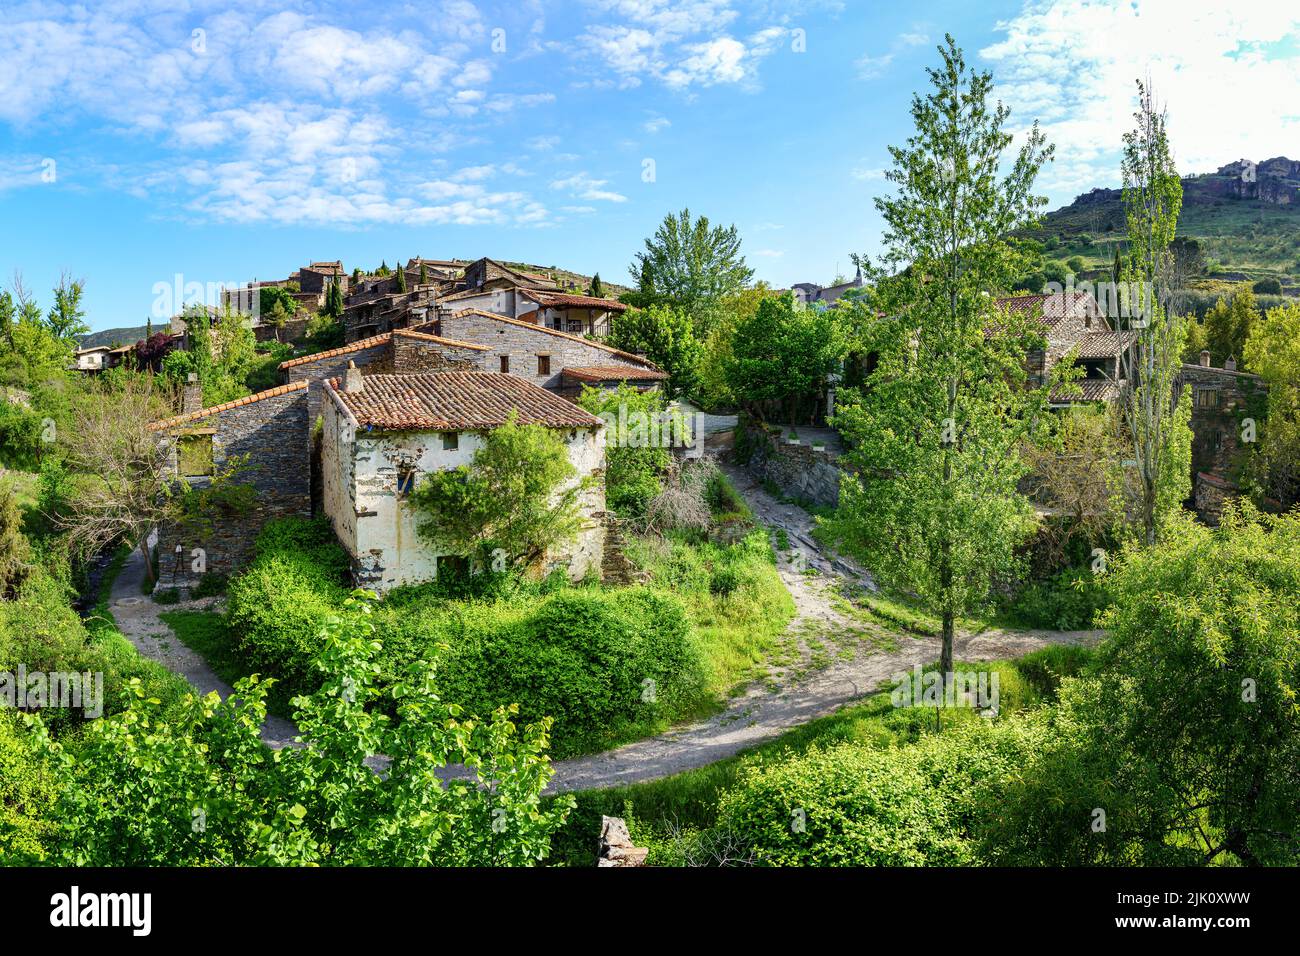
184 417
416 334
341 350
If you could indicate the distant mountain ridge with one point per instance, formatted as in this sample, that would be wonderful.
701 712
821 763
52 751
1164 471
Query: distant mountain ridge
126 336
1245 215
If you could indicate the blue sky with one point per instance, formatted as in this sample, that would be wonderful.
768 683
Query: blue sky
222 141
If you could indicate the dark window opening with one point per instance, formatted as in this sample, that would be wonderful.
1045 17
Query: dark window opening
543 365
450 441
505 363
405 480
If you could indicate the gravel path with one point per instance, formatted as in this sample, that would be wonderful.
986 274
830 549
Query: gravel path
765 711
137 618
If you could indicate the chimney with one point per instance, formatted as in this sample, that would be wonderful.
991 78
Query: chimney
191 395
1230 365
352 378
1205 358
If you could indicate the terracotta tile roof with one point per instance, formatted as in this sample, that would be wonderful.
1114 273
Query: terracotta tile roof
1052 307
429 337
343 350
613 373
1097 345
446 401
646 363
577 301
1093 390
215 409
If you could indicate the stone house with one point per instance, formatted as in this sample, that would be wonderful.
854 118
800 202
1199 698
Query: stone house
1222 400
399 352
270 430
93 359
555 360
489 274
382 433
575 314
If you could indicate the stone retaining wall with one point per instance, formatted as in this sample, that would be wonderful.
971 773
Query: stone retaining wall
799 471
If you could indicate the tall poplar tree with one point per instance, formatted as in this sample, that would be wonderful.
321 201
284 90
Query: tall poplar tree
936 428
1157 424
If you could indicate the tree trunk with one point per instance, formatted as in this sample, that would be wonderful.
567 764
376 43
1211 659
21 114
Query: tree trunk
148 560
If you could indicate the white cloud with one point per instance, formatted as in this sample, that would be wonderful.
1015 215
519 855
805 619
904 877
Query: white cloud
869 66
292 115
769 253
1229 74
656 124
681 44
583 186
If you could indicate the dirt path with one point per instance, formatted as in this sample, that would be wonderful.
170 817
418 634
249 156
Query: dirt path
768 709
137 618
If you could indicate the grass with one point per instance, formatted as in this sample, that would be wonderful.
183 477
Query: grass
206 633
655 810
739 633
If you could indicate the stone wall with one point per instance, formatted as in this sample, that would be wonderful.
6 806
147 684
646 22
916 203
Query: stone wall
415 353
377 359
800 471
272 432
522 344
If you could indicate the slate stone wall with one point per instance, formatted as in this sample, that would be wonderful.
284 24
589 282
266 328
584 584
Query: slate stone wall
272 432
523 344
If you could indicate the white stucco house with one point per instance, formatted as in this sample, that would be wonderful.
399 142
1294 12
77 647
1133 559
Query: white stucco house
383 433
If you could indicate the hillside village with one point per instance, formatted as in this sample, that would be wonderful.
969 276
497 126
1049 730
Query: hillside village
986 556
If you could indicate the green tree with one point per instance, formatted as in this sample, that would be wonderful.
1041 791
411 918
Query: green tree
666 336
597 289
195 786
632 470
401 279
424 273
688 262
781 357
518 494
936 430
1228 325
8 315
15 553
1273 352
1188 736
1158 430
66 318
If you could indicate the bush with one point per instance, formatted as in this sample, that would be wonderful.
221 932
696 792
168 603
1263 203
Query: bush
20 436
1267 287
1067 601
277 606
25 792
850 805
210 585
602 664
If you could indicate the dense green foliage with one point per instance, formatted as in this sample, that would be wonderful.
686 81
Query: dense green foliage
781 356
196 786
518 496
690 263
277 605
633 468
667 337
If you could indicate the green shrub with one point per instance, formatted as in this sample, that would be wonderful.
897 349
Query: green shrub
40 630
603 664
210 585
26 791
850 805
167 596
1067 601
277 606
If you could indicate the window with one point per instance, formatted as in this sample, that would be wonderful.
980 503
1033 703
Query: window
543 365
1207 398
450 441
454 565
405 480
505 363
194 456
